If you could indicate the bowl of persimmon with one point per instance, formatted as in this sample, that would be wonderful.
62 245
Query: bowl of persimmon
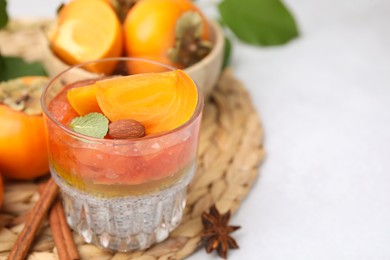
172 32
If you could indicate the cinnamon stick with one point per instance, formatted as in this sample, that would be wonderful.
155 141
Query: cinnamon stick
22 218
66 248
34 222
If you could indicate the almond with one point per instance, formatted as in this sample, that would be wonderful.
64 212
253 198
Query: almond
126 129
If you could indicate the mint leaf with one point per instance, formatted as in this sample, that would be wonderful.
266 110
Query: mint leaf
15 67
93 124
3 13
259 22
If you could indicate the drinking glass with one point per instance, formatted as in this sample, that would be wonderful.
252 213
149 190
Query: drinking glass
119 194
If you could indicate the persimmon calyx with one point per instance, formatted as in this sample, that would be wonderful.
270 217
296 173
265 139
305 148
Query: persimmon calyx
189 47
23 94
189 20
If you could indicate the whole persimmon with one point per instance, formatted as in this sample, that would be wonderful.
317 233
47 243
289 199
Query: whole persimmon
174 29
23 148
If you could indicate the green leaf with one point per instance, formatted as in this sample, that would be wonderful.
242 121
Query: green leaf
92 124
15 67
259 22
3 13
227 52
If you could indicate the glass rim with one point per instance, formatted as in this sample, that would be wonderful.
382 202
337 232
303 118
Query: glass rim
49 115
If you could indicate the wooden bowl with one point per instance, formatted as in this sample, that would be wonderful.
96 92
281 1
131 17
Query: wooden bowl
205 73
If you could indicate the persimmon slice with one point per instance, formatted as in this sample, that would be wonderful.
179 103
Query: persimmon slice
160 101
83 99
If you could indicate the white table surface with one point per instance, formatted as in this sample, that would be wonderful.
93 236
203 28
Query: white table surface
324 101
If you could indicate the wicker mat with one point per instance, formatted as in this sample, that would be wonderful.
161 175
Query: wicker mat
230 153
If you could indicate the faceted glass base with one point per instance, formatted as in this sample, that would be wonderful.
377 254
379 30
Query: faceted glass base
124 223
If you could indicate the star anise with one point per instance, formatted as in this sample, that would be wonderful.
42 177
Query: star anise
216 232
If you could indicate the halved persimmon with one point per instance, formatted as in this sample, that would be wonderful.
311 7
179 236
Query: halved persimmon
87 30
160 101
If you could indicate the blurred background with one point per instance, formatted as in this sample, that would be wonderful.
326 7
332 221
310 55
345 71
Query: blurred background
324 100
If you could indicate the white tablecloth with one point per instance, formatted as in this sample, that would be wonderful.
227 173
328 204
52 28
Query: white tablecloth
324 100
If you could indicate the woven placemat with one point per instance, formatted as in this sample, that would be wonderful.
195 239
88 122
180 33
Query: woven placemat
230 152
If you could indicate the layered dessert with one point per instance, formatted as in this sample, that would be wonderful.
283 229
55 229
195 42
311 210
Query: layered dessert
123 149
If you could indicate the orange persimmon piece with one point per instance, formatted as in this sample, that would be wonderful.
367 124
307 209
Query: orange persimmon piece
83 99
150 26
160 101
87 30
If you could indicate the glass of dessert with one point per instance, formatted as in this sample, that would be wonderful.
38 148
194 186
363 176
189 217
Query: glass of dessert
122 148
